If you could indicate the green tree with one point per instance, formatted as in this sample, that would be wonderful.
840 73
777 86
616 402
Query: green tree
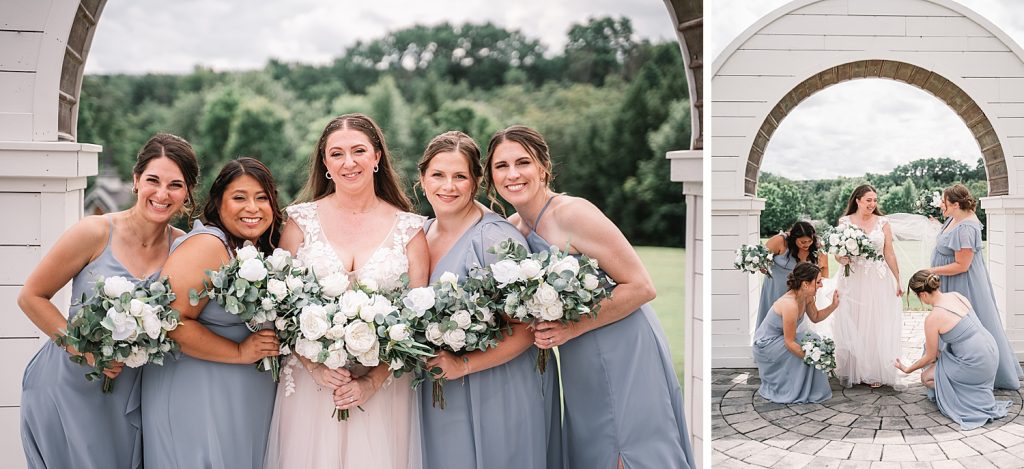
784 205
598 48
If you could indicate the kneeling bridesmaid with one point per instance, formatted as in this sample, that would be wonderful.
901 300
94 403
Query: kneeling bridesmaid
785 378
960 356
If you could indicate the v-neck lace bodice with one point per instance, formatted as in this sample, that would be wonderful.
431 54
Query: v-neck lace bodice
385 265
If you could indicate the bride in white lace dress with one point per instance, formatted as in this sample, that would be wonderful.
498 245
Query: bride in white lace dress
356 222
869 320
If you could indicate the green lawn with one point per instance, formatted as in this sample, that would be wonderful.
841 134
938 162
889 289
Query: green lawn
666 268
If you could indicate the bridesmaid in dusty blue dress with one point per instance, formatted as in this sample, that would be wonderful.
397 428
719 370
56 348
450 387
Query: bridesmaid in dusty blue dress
499 412
785 378
957 258
622 401
67 421
800 244
211 407
964 354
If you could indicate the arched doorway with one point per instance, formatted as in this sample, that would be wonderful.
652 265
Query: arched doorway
807 45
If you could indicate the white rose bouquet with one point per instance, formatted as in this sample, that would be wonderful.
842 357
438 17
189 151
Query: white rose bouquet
819 352
849 240
549 285
125 322
253 286
929 204
753 259
396 316
452 319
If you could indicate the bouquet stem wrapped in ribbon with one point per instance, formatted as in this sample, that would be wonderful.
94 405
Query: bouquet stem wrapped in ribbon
122 321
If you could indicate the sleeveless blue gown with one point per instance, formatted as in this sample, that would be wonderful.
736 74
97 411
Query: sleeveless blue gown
775 286
785 378
67 421
976 286
620 392
203 414
964 373
503 417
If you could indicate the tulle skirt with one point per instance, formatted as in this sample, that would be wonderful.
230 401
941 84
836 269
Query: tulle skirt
303 432
867 325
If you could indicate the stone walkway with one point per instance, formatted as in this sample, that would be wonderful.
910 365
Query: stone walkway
859 427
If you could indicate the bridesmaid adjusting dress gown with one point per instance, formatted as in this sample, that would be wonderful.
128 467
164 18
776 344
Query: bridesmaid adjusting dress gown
638 415
54 386
200 413
503 417
976 286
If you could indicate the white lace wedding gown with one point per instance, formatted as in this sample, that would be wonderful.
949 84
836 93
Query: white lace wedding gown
303 433
868 322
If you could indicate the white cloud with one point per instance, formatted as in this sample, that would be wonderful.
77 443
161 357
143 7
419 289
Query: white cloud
861 126
153 36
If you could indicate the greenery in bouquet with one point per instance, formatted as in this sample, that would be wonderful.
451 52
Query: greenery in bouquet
851 241
819 352
123 321
753 259
929 203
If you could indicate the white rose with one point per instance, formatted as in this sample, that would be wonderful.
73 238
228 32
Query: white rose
455 338
590 282
566 263
246 252
267 304
334 285
851 244
313 321
552 312
398 332
486 314
434 333
369 284
450 278
308 348
321 268
352 302
545 295
419 300
531 269
151 323
336 332
120 325
135 307
462 318
336 359
506 272
396 364
371 357
107 350
279 259
378 305
278 288
116 286
294 283
252 270
833 239
281 323
169 324
359 338
137 358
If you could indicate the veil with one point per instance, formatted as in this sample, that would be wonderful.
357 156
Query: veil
913 240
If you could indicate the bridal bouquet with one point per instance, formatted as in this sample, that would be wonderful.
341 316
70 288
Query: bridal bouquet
125 322
849 240
819 352
929 204
549 285
453 319
253 286
753 259
397 314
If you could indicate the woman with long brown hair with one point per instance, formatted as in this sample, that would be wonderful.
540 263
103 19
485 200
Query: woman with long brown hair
352 219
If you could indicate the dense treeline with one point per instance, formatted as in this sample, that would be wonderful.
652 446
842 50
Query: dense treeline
824 200
609 105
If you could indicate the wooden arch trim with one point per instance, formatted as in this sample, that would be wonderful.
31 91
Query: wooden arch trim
75 54
940 87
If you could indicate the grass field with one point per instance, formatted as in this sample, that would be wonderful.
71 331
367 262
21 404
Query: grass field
666 268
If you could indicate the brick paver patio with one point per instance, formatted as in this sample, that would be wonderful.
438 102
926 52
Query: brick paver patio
859 427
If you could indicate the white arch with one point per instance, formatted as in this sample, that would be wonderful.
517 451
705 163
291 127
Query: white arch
958 55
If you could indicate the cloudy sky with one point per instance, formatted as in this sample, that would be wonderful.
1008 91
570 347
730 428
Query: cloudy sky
862 125
140 36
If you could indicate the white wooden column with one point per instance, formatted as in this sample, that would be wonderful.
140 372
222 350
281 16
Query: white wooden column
687 168
733 293
1005 228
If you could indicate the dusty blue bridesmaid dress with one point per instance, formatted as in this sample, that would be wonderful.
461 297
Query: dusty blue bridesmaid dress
503 417
203 414
785 378
621 395
775 286
964 373
977 287
67 421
